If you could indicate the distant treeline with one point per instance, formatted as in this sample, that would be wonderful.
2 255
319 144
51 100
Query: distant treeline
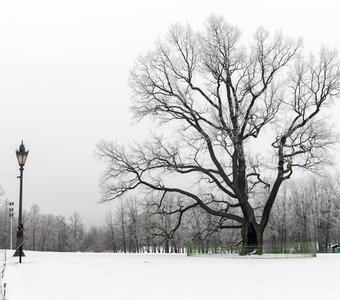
307 211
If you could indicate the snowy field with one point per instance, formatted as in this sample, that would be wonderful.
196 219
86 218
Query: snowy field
97 276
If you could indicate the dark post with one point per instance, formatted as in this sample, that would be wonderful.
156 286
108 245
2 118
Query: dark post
20 194
21 156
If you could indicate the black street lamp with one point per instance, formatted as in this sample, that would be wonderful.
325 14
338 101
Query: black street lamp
21 156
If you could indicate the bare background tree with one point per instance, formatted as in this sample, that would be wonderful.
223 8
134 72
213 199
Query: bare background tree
222 100
76 231
110 232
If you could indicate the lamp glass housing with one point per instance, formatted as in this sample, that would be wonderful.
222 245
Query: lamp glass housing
22 155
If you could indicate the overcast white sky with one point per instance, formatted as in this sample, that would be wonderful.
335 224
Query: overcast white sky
63 81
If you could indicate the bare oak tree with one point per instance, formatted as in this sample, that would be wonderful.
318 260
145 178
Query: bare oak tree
218 97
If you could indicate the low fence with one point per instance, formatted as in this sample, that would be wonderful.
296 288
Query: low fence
3 260
296 250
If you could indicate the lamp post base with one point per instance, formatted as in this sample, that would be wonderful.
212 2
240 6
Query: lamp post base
17 253
18 249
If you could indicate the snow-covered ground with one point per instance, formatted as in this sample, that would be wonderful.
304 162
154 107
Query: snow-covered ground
97 276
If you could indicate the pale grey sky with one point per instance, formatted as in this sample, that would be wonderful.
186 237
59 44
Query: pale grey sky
63 81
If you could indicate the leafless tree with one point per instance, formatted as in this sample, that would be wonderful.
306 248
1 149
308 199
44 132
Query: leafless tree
4 219
122 220
33 226
62 234
134 226
47 232
218 97
76 230
109 228
324 194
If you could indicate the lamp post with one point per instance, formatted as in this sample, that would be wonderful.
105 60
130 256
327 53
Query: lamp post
21 156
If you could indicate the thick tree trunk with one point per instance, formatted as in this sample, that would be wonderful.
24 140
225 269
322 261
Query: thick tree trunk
252 236
167 246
